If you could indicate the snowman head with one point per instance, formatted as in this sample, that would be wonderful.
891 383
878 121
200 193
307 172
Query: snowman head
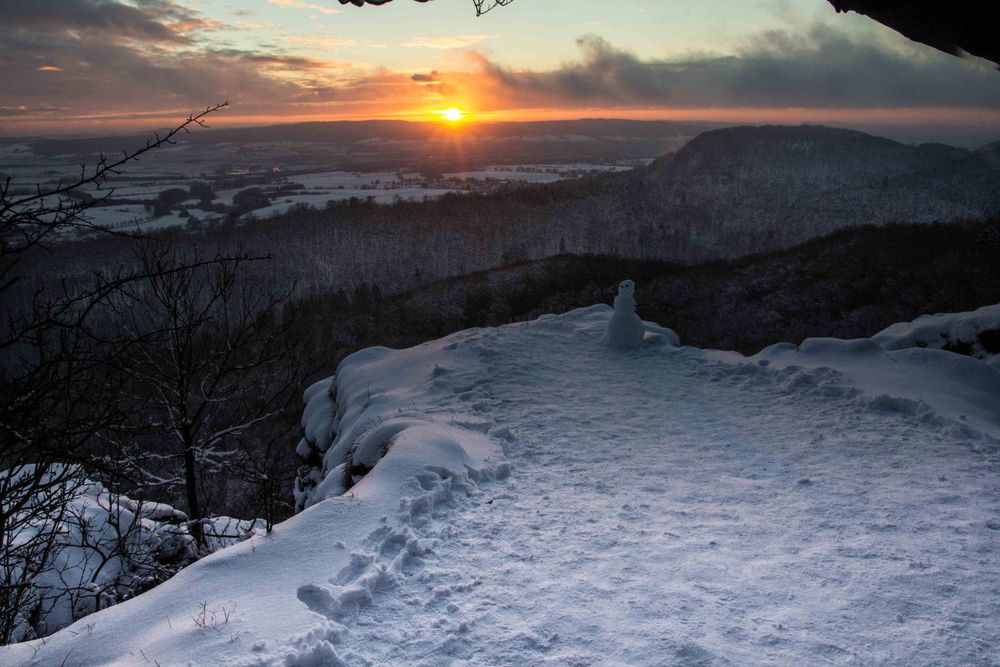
626 288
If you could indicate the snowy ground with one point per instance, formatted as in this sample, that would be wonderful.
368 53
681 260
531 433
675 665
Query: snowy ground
828 504
147 180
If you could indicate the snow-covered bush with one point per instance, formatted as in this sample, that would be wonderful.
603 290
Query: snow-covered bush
975 334
317 420
98 549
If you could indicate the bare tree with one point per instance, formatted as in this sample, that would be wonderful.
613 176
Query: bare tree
58 392
265 465
211 363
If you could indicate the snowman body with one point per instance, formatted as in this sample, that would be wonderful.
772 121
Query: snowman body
625 329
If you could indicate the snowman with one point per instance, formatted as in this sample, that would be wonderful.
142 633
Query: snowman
625 329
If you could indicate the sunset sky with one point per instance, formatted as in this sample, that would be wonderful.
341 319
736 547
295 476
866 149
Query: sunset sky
106 65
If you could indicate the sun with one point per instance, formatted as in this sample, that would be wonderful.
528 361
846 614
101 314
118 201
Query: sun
452 114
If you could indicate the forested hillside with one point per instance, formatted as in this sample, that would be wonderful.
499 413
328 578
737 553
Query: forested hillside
727 194
850 284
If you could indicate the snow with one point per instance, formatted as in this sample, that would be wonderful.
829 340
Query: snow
979 330
150 189
175 219
952 391
625 330
109 216
382 401
543 499
131 215
109 547
345 179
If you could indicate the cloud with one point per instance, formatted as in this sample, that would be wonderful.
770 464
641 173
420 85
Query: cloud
255 25
152 55
452 42
158 59
319 41
817 67
25 110
141 63
301 4
276 61
147 20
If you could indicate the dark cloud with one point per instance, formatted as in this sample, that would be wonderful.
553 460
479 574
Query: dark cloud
274 61
117 61
120 59
149 20
425 78
820 67
24 110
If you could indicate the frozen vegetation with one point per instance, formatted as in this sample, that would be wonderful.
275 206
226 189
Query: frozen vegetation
105 548
526 495
976 333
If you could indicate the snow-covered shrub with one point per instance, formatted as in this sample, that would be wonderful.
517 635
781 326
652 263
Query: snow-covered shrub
97 549
975 334
317 420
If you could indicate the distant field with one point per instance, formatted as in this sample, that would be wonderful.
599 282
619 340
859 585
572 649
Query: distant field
131 197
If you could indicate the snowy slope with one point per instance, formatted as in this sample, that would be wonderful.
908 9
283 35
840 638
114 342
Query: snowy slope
829 503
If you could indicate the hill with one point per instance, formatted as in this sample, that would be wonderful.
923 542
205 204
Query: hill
726 194
736 191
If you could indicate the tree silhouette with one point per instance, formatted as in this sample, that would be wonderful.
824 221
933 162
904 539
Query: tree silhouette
58 391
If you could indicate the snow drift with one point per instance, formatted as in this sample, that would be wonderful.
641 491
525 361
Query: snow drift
975 333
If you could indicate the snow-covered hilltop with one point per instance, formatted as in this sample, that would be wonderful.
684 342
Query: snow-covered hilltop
526 495
738 190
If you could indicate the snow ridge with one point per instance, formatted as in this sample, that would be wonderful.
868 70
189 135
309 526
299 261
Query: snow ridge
369 430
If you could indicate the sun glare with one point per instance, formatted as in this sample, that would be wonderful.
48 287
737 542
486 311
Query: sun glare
452 114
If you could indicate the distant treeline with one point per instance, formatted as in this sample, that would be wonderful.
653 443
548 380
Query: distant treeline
850 284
